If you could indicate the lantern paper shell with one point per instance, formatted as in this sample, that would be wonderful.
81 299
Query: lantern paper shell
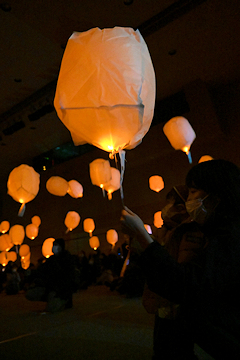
4 226
112 237
58 186
88 225
17 234
23 185
36 220
5 242
114 184
75 189
94 242
12 256
156 183
100 172
107 77
72 220
3 258
180 134
31 231
24 250
158 221
47 247
25 263
205 158
148 228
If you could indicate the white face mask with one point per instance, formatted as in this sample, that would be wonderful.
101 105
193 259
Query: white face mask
197 210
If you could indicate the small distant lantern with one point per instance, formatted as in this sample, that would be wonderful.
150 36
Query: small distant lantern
4 226
58 186
114 184
31 231
23 185
205 158
158 221
36 220
24 250
72 220
156 183
100 172
94 242
17 234
12 256
47 247
88 226
148 228
3 258
75 189
112 237
180 134
5 242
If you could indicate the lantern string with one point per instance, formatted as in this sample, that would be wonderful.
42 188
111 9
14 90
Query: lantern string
189 157
22 210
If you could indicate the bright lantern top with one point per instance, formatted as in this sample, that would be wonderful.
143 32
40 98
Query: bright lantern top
105 93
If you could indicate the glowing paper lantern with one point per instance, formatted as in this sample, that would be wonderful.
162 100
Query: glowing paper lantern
27 257
4 226
205 158
72 220
23 185
5 242
24 250
3 258
31 231
180 134
112 237
156 183
12 256
88 226
75 189
114 184
47 247
36 220
17 234
25 264
100 172
94 242
158 221
56 185
148 228
105 93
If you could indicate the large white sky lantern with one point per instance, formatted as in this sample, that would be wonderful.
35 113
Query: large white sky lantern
72 220
180 134
105 93
100 172
57 185
23 185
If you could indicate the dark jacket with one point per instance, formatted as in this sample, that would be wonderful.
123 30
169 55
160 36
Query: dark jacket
206 288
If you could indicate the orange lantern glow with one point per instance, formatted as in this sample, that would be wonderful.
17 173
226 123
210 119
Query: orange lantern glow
25 264
12 256
148 228
158 221
100 172
180 134
31 231
58 186
94 242
24 250
156 183
3 258
88 226
5 242
17 234
205 158
23 185
114 184
72 220
112 237
75 189
47 247
36 220
4 226
105 93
